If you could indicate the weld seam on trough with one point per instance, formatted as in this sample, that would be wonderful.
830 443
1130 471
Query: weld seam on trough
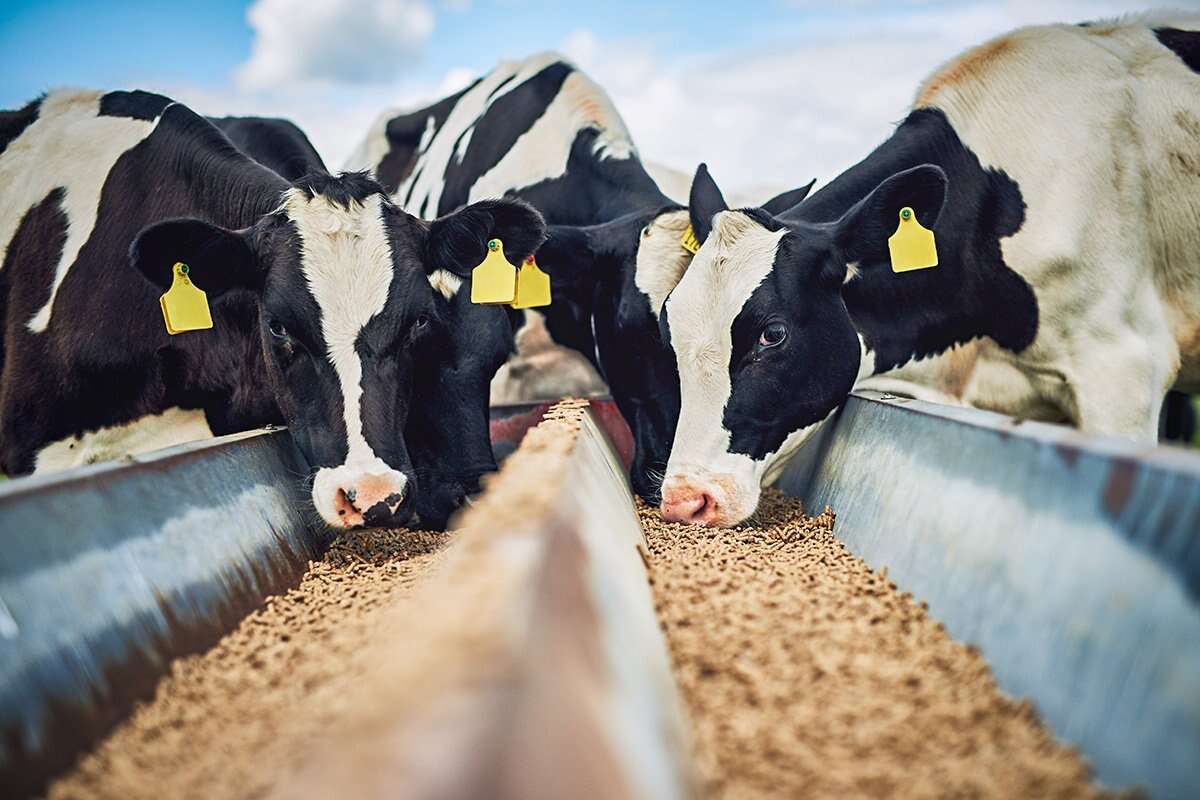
110 571
1069 560
531 665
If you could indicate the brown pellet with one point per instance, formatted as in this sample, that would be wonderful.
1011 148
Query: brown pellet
806 674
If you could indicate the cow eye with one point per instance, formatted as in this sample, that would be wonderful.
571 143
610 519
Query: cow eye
421 322
646 232
277 329
772 335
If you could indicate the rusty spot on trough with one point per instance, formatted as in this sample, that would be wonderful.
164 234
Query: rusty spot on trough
1068 453
1119 488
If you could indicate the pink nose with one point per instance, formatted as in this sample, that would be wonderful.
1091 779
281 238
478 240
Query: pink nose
689 507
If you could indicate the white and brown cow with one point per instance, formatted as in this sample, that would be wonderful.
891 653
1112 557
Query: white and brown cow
1059 167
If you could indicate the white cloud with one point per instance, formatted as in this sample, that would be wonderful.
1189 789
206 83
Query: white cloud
332 41
764 118
774 117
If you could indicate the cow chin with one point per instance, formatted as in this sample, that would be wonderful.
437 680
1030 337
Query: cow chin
715 500
355 495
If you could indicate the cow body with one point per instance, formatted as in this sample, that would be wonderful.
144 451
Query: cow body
277 144
318 290
1053 166
540 130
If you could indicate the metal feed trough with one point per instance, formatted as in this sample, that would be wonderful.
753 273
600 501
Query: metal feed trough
1073 563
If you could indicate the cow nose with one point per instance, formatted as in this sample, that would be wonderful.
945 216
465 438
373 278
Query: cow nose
689 506
371 499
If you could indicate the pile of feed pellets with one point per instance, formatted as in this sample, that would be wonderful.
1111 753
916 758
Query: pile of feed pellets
235 721
806 674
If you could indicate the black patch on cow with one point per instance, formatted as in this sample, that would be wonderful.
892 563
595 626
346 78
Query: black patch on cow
1185 44
277 144
404 134
136 104
496 131
14 123
972 292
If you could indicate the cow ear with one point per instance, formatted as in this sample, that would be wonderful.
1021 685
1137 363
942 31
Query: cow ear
457 242
786 200
863 231
218 259
704 202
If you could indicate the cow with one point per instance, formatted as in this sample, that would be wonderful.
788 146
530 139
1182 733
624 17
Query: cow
541 130
277 144
1059 169
322 313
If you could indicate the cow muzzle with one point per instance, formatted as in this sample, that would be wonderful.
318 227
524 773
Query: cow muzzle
713 500
354 497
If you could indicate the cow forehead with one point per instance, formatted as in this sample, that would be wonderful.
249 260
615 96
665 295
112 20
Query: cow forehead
346 260
661 259
734 260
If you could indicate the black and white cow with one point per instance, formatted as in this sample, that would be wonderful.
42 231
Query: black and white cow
322 310
277 144
1059 167
541 130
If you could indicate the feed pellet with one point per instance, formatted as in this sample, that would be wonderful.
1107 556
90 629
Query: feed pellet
806 674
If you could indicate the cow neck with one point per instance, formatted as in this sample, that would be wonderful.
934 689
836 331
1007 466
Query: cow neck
972 292
229 188
614 187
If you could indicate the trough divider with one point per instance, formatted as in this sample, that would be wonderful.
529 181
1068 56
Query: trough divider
531 664
1072 561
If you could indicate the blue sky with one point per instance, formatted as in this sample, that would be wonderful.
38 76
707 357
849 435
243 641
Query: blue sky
108 44
768 93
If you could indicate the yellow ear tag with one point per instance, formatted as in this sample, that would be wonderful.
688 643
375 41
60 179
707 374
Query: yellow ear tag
533 286
912 246
689 241
494 280
184 306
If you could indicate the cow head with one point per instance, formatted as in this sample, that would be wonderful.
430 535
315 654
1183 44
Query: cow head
449 427
346 321
765 345
626 268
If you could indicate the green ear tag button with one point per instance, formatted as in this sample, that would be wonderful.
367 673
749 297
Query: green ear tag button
495 279
184 306
912 246
533 286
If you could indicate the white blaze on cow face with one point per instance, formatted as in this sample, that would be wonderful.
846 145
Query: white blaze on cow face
346 259
661 259
705 482
43 159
